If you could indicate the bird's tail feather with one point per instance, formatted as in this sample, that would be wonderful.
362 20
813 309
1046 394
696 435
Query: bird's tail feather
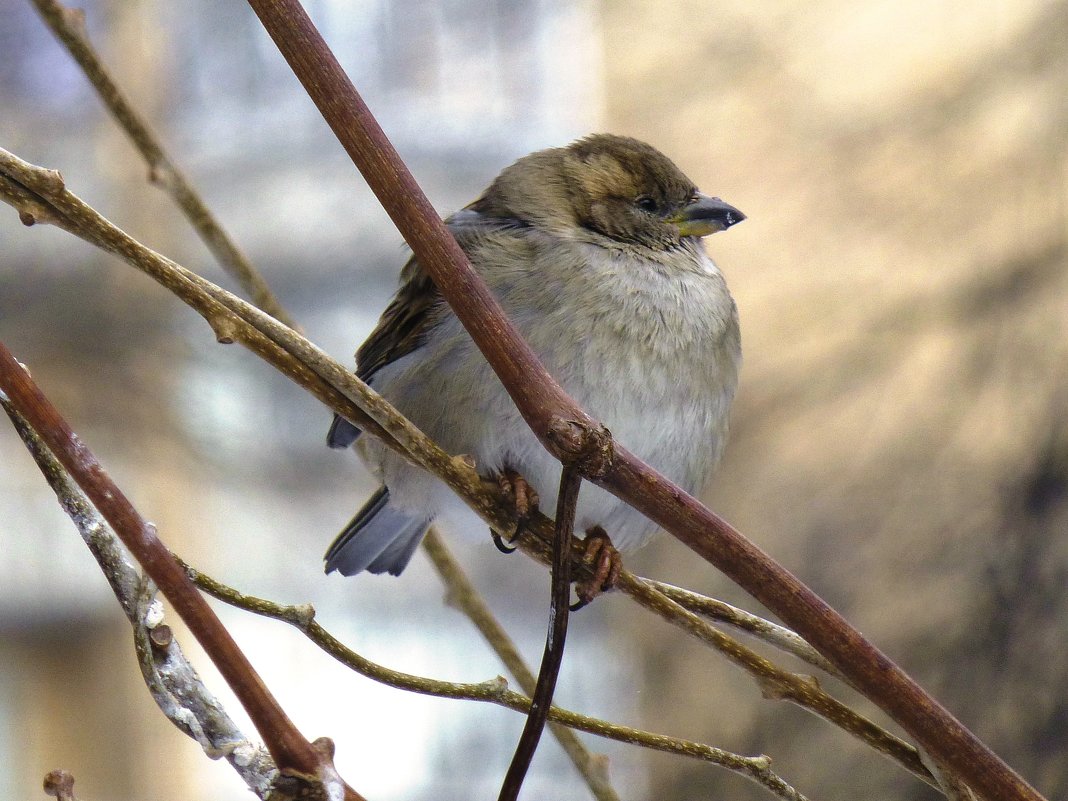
380 538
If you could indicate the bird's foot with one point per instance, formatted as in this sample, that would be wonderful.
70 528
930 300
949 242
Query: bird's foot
524 498
605 563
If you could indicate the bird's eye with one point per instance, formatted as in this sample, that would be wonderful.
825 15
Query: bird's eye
646 203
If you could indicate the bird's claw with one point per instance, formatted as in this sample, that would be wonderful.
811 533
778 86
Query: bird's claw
605 564
600 556
502 546
524 497
525 500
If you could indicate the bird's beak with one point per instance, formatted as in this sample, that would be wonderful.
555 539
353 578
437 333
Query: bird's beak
705 215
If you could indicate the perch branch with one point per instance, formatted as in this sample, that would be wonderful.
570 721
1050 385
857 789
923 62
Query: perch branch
546 407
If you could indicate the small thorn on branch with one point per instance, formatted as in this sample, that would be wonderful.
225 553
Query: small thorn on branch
31 209
45 182
59 784
161 637
224 328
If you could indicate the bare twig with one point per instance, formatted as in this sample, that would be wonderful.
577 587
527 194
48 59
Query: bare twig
33 190
171 678
764 630
293 754
495 691
68 24
463 595
778 684
566 430
553 656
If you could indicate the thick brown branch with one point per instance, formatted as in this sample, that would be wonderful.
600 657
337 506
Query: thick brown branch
290 750
541 401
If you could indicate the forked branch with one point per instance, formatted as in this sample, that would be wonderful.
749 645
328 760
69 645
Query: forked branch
292 753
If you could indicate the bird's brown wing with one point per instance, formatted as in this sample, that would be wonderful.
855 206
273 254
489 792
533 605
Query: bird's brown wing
418 305
410 316
403 326
401 329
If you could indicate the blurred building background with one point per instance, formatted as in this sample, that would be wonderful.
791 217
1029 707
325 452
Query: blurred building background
900 436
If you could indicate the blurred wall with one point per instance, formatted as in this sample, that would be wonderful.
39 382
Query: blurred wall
900 437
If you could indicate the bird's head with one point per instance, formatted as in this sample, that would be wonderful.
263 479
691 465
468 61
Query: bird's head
612 190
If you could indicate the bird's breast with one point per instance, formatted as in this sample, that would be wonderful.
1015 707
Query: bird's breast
649 348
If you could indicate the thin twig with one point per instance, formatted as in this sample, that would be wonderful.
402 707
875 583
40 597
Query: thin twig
463 595
35 191
766 631
566 430
778 684
290 750
68 24
494 691
553 656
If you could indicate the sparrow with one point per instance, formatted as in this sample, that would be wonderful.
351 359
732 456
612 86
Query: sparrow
594 250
